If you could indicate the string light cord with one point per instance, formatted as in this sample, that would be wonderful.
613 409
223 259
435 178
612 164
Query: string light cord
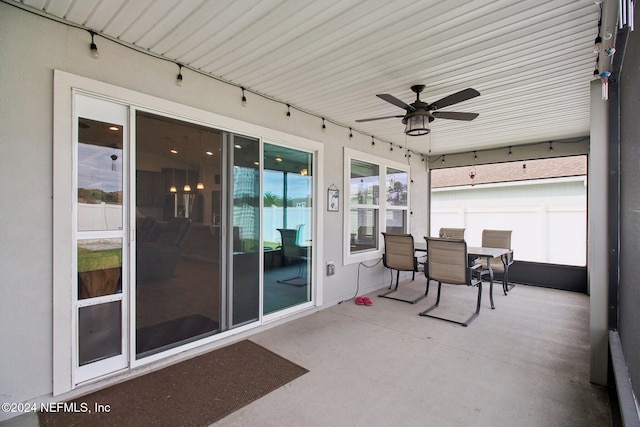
183 66
511 149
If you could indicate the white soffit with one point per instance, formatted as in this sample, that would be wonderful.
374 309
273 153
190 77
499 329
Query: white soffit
532 61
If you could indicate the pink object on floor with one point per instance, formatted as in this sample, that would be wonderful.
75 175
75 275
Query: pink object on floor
367 301
359 301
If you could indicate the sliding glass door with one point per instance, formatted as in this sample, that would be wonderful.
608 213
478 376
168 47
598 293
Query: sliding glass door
197 232
175 232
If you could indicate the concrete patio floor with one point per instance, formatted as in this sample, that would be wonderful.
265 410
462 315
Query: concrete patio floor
526 363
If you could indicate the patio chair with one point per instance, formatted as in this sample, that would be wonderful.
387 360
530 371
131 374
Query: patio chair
449 263
452 233
399 255
498 239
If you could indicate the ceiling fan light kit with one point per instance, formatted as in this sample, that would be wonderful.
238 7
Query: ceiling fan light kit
417 123
419 114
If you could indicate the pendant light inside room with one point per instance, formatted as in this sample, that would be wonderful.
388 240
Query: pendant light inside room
200 184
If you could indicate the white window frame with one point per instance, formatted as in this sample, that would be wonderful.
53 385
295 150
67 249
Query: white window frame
383 164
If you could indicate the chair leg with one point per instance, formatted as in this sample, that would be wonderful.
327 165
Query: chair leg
426 292
505 281
465 323
479 297
386 294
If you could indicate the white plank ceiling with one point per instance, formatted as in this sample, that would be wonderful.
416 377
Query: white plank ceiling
531 60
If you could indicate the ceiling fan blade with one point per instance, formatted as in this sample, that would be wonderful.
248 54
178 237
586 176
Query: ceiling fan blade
463 95
452 115
378 118
395 101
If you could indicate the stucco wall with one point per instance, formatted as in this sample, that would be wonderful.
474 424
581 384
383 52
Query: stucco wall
32 47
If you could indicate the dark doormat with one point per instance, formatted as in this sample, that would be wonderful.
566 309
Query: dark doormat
196 392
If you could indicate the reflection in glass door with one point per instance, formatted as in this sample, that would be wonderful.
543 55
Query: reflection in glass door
288 227
244 241
178 269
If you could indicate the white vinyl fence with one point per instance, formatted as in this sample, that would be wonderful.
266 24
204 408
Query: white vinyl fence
548 217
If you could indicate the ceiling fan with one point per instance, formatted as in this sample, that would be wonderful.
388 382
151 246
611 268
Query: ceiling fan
419 113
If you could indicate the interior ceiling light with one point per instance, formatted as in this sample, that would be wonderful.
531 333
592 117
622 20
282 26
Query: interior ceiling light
93 47
173 151
208 153
114 128
278 159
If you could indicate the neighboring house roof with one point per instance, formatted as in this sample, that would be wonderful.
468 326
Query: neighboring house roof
512 171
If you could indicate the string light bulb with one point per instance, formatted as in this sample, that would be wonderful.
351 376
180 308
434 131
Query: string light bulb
373 141
597 44
244 98
93 47
510 153
324 127
179 76
288 111
350 134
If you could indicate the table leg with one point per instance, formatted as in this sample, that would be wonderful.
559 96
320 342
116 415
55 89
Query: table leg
490 283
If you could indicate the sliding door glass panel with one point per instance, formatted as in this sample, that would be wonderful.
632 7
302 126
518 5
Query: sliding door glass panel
178 236
245 230
288 207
